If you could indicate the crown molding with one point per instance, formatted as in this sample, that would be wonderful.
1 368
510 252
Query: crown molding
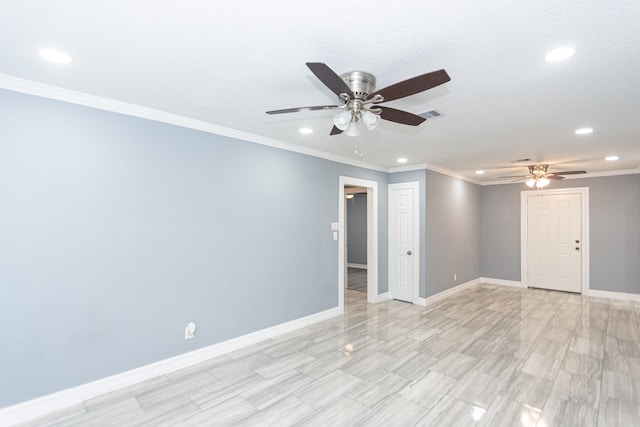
452 174
433 168
408 168
79 98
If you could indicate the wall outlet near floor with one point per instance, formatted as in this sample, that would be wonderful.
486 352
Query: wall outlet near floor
455 277
189 331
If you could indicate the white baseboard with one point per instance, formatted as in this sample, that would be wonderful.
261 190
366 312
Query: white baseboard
351 264
383 297
614 295
591 292
29 410
502 282
449 292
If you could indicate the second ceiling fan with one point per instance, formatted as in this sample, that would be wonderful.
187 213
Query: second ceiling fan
360 101
540 177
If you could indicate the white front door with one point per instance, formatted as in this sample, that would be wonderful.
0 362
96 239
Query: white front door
402 247
554 242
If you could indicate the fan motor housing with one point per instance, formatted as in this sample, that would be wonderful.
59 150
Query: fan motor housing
361 83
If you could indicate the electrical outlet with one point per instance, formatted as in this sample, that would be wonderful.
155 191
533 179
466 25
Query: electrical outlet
189 331
455 277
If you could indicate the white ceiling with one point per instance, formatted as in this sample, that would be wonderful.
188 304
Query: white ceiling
227 62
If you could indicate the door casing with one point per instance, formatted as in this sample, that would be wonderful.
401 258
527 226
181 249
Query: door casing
372 238
524 226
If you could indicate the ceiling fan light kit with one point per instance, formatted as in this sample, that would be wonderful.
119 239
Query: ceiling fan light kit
538 183
539 176
360 101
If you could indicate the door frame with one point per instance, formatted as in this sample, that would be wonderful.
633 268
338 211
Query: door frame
415 186
524 230
372 238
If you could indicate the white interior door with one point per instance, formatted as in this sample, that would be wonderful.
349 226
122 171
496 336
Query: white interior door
554 242
403 249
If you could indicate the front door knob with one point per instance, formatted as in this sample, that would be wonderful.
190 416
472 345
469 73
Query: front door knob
409 252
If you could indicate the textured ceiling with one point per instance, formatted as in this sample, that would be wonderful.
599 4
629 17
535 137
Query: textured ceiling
227 62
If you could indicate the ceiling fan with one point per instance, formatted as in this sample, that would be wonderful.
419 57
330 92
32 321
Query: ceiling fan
539 177
360 101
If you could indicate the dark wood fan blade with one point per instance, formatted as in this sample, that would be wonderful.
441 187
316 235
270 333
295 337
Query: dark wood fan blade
413 85
522 178
335 131
295 110
569 173
329 78
554 176
399 116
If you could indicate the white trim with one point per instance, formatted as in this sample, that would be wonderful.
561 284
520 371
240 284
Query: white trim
354 265
408 168
45 91
79 98
434 168
372 238
415 186
604 173
29 410
584 246
384 297
614 295
453 174
502 282
447 293
583 176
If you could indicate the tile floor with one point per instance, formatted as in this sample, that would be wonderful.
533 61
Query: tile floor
488 356
357 279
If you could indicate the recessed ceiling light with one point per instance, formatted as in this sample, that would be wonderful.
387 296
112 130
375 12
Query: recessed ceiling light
560 54
611 158
402 160
305 131
479 172
584 131
55 56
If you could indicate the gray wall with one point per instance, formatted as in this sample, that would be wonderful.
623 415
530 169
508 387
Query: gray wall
357 229
500 231
614 229
452 232
116 231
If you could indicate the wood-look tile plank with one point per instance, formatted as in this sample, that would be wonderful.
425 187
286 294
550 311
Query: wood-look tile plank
322 391
477 389
341 412
428 389
228 412
490 356
394 412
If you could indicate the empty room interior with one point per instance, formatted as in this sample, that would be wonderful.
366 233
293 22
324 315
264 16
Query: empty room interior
360 213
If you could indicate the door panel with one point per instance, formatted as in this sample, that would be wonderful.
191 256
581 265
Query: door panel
401 239
554 228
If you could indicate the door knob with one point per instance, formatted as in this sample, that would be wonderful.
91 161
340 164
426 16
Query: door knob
409 252
577 248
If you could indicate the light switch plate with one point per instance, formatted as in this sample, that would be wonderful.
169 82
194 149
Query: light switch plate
335 226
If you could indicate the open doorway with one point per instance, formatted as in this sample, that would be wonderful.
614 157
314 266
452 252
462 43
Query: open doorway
371 188
356 238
